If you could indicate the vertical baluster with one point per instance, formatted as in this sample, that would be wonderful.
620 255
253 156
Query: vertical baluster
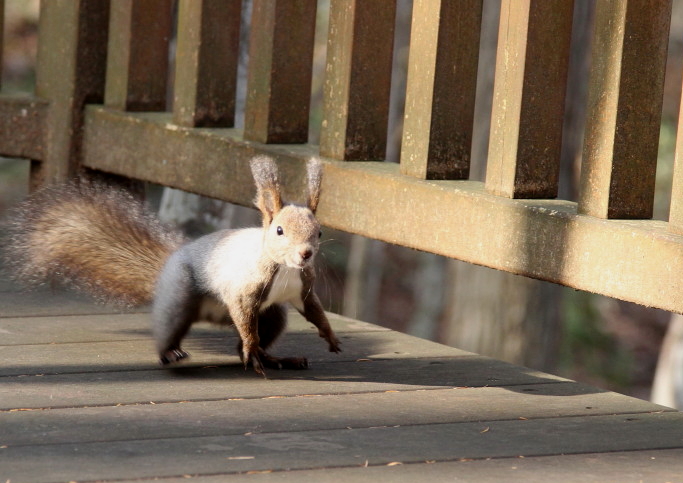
358 79
207 54
77 29
528 98
137 59
442 83
624 108
676 211
2 36
280 69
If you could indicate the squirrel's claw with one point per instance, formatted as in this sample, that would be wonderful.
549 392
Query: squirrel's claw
255 362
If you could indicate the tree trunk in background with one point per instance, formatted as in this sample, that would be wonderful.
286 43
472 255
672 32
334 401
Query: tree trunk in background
364 272
492 312
198 215
667 388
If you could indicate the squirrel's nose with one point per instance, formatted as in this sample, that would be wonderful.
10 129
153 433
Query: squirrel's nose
306 254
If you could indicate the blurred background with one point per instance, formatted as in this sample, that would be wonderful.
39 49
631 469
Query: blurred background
604 342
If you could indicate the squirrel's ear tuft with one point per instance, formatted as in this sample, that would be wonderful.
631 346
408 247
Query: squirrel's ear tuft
315 177
268 197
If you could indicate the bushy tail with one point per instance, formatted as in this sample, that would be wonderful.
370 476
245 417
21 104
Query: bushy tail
94 237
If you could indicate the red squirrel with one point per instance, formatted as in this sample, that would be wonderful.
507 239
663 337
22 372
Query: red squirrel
102 240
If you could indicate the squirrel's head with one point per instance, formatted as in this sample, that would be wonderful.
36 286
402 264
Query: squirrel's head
291 232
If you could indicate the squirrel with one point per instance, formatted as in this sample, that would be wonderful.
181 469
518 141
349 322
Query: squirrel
102 240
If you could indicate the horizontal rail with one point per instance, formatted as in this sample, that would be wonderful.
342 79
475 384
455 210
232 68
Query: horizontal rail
636 260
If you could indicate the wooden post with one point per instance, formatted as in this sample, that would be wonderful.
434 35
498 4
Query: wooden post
77 29
207 55
624 108
442 83
358 79
137 57
2 35
676 209
528 98
280 70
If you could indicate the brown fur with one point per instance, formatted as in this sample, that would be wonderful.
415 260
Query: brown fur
98 239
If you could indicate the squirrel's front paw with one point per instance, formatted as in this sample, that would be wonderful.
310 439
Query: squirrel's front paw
334 344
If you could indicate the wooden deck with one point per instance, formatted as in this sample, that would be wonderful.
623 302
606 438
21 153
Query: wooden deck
82 399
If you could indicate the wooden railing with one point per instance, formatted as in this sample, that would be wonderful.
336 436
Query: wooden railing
102 91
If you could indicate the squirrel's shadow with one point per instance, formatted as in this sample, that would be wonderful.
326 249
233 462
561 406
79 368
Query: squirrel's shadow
384 370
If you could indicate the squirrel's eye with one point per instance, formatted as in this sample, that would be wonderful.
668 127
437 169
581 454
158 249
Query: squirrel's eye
320 233
280 231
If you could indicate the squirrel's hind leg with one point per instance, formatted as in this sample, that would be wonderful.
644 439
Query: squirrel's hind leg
176 307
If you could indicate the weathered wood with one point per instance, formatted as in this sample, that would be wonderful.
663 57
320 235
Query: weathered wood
189 381
347 447
676 208
624 108
311 412
78 31
132 350
528 98
23 127
356 97
88 325
543 239
2 37
656 466
280 71
207 55
442 83
137 55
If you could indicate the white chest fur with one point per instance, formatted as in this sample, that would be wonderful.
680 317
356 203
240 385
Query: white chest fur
286 287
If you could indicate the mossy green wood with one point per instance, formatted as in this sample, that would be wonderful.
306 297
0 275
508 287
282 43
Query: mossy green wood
358 79
137 55
280 71
207 55
528 98
77 31
624 108
442 84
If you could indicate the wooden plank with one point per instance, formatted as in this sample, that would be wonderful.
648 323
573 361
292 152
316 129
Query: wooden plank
22 127
528 98
361 34
624 108
207 55
36 303
101 327
135 351
627 466
232 454
310 412
280 71
442 83
78 31
638 261
137 55
46 304
676 208
201 382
